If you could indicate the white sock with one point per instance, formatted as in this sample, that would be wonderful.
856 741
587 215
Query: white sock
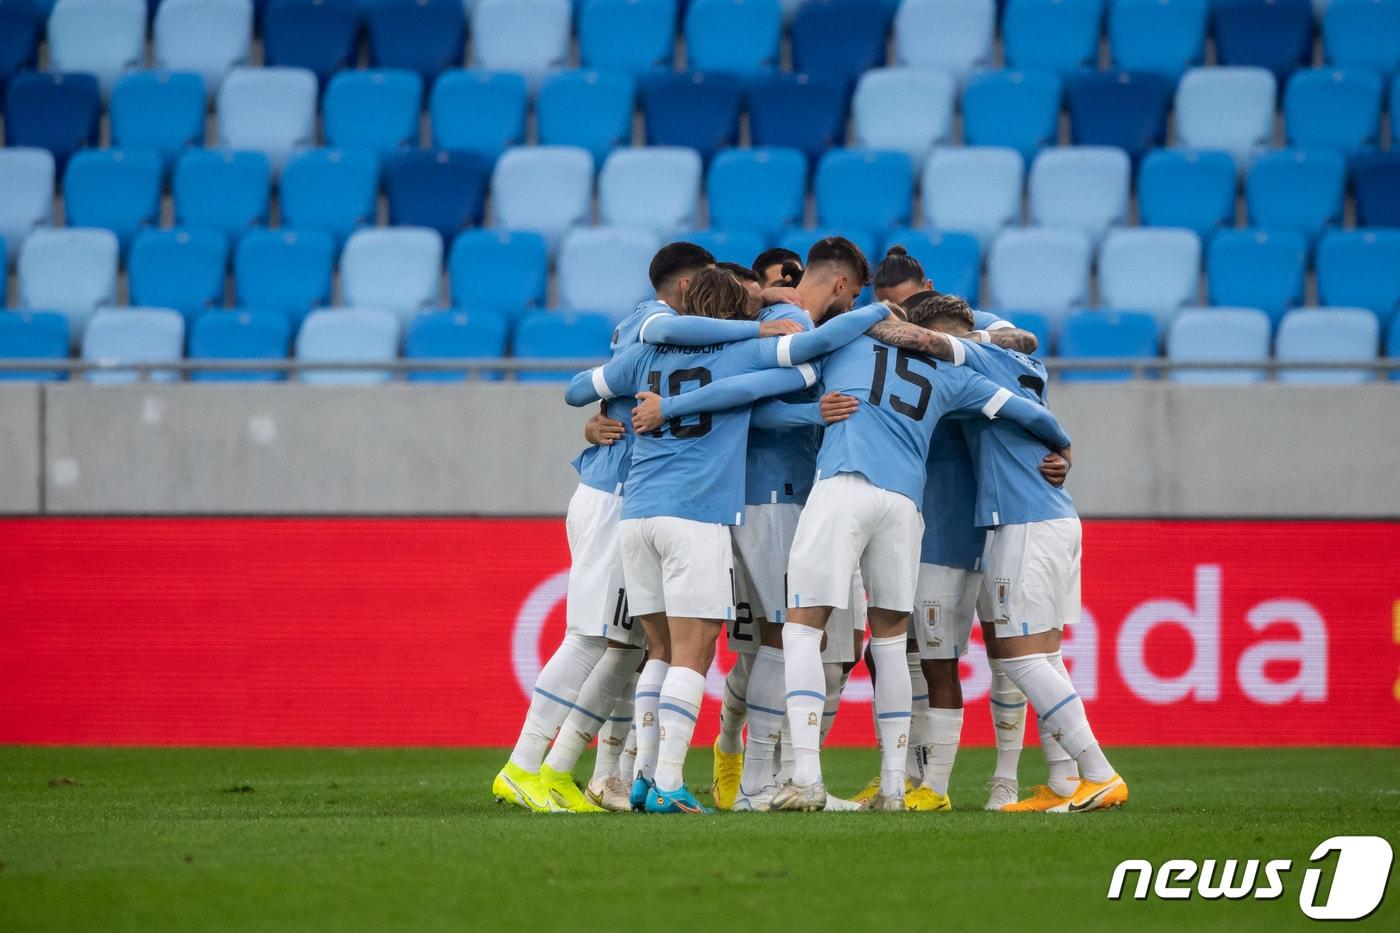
1061 712
919 735
805 699
784 761
944 728
648 733
766 714
1008 705
679 710
835 676
613 737
627 761
734 708
1064 770
553 697
593 706
893 699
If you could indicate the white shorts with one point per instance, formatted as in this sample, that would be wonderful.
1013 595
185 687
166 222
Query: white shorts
851 524
762 545
1030 577
943 609
842 626
677 566
742 631
597 600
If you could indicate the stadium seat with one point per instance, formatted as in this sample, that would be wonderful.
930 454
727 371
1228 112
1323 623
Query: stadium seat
1392 346
268 110
1333 108
330 189
501 271
1296 189
1377 179
1363 34
394 268
798 112
1085 187
1327 335
158 110
760 189
1272 34
976 189
1016 109
33 335
1186 188
951 260
134 335
222 189
209 37
455 335
589 109
426 36
551 335
1162 36
180 269
240 335
1258 269
1225 335
1035 322
951 35
543 188
1156 270
21 25
605 268
735 36
103 38
114 188
528 37
864 189
436 188
1088 335
1057 35
54 111
322 36
1360 269
375 110
348 335
1229 108
284 270
71 271
740 246
26 177
1040 269
479 111
657 188
692 109
906 109
1118 108
837 40
629 36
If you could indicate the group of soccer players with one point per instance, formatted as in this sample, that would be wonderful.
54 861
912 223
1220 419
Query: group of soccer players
772 462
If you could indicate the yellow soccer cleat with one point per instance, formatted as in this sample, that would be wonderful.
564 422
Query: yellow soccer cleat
515 785
564 793
868 791
1042 798
924 799
1095 795
728 770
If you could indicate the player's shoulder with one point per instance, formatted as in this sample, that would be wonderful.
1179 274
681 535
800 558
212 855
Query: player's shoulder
628 330
786 313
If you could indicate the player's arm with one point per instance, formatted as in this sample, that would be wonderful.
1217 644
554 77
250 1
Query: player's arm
796 349
731 392
1036 419
614 378
685 330
780 415
908 336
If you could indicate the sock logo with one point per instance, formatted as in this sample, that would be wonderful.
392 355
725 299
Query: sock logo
648 720
813 720
903 741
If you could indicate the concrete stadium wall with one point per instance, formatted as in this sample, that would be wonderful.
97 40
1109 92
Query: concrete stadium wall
1142 449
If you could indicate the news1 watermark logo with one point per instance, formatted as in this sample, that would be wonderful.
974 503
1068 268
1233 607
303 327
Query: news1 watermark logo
1359 876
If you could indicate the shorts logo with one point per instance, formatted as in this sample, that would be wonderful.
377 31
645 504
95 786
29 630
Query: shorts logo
933 614
1003 589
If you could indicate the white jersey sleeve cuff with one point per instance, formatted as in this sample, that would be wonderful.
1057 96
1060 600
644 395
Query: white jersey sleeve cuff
999 325
995 403
809 374
785 351
600 385
642 331
959 351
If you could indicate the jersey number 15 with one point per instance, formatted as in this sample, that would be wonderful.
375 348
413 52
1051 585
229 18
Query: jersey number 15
902 358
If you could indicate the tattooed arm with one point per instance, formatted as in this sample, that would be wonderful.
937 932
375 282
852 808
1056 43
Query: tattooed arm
908 336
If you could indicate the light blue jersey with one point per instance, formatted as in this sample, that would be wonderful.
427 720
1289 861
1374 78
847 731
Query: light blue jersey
986 320
782 463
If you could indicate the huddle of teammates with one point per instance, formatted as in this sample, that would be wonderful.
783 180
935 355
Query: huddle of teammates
772 462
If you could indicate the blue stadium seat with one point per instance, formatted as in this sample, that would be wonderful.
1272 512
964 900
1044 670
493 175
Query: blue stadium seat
800 241
1258 269
1334 108
1085 187
976 189
630 36
953 35
1229 108
1057 35
1224 335
114 188
1162 36
180 269
657 188
1392 346
906 109
606 268
21 24
737 36
103 38
1296 189
285 270
1272 34
760 189
543 188
33 335
268 110
1377 179
426 36
692 109
864 189
499 271
394 268
1016 109
1035 322
348 335
209 37
479 111
549 335
158 110
952 261
741 246
375 110
1040 269
455 335
26 177
57 112
590 109
837 40
240 335
1363 34
134 335
796 111
1360 269
330 189
1186 188
528 37
320 35
1118 108
1327 335
1105 335
71 271
222 189
1156 270
436 188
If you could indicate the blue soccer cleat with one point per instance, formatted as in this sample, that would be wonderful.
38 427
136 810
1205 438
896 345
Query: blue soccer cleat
679 800
638 797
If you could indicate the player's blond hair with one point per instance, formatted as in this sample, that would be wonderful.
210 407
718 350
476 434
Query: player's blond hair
716 293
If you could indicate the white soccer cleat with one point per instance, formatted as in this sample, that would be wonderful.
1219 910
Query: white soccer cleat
880 803
1000 792
760 802
836 804
610 794
800 798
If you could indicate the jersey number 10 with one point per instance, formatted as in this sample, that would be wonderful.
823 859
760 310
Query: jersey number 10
680 377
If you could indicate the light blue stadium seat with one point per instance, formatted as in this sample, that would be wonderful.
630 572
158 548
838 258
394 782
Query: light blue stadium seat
1334 108
1262 269
209 37
954 35
528 37
455 335
800 241
909 110
741 246
838 40
268 110
550 335
160 110
656 188
1360 269
1085 187
1333 334
33 335
1017 109
1229 108
1363 34
479 111
114 188
1224 335
375 110
27 179
590 109
1161 36
737 36
1187 188
1296 189
1151 269
182 269
394 268
134 335
1042 269
796 111
1036 323
951 260
330 189
285 270
605 268
348 335
499 271
71 271
426 36
975 189
864 189
104 38
1058 35
222 189
240 335
547 189
1106 335
758 189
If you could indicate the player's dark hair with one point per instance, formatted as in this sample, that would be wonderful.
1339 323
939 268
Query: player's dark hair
676 260
742 273
777 256
716 293
837 250
897 268
930 309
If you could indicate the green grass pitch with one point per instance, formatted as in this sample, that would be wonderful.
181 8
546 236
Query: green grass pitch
410 839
